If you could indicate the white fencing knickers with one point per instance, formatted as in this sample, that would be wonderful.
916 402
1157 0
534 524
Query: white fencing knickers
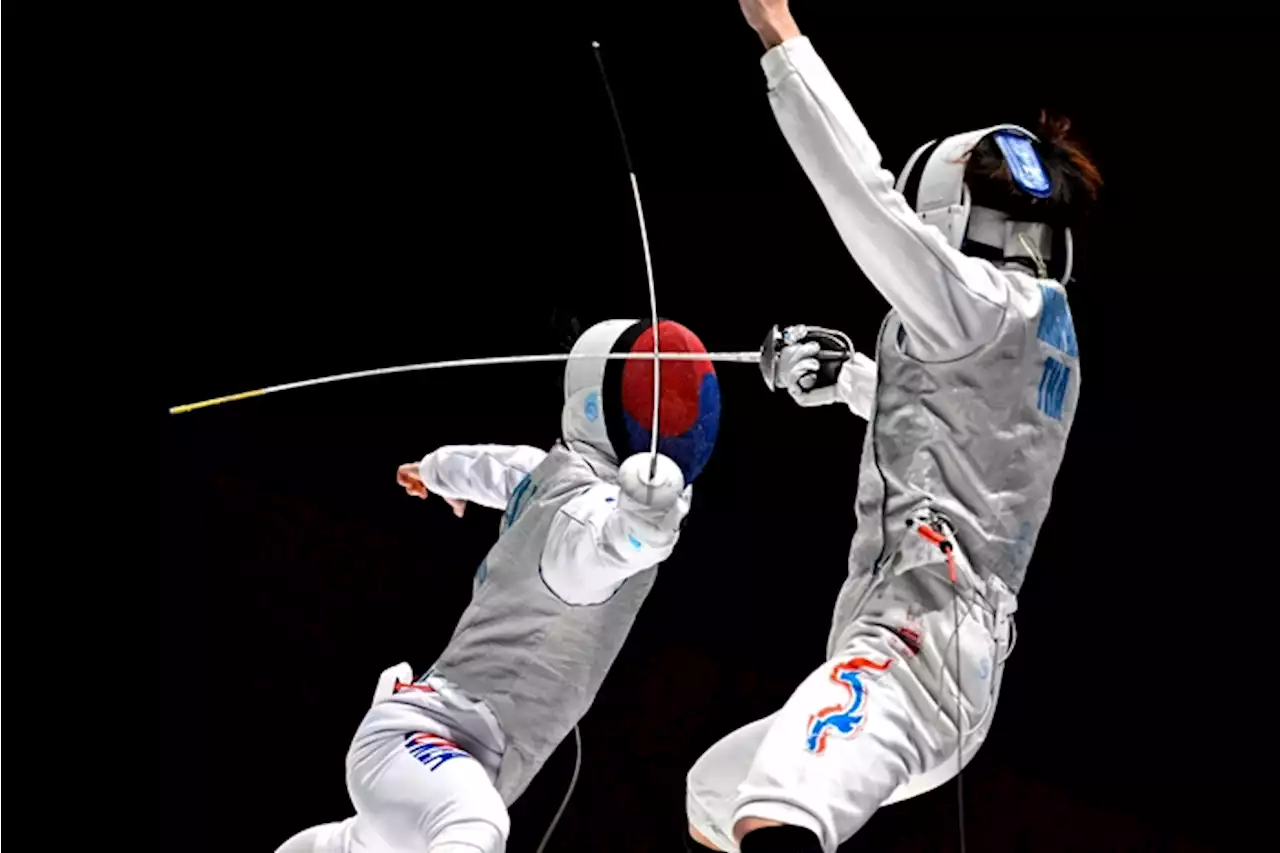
420 774
874 724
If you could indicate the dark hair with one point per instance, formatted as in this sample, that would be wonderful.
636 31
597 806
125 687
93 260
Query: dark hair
1074 177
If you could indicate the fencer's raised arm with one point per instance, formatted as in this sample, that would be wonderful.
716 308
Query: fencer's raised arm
950 304
484 474
602 537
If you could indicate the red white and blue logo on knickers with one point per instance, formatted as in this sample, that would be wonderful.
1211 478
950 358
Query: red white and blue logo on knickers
432 750
847 717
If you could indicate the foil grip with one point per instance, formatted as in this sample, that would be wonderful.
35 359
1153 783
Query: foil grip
836 349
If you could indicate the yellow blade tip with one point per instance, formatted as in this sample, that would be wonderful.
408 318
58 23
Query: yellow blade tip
204 404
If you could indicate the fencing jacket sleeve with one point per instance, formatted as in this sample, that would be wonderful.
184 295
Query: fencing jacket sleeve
484 474
601 538
950 304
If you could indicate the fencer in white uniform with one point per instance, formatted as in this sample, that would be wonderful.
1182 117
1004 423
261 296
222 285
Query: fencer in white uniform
968 400
437 759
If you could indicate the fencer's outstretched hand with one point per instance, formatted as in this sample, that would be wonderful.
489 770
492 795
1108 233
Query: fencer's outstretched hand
653 502
771 19
657 484
798 371
409 475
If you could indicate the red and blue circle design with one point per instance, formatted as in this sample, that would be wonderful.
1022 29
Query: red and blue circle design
689 398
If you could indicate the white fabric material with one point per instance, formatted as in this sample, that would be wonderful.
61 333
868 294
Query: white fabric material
591 547
354 835
904 741
401 673
484 474
420 773
582 420
450 846
326 838
951 304
994 228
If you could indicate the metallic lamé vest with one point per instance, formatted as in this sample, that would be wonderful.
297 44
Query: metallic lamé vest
980 439
535 660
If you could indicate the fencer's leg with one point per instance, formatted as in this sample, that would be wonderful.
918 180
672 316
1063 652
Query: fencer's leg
838 748
711 786
854 732
916 677
417 789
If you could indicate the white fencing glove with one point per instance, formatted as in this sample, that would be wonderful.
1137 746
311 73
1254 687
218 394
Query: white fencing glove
655 484
656 504
798 370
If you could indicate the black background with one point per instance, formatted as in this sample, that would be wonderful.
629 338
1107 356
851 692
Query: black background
365 189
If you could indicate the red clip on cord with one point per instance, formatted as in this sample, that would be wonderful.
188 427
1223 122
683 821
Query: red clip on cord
402 685
941 541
